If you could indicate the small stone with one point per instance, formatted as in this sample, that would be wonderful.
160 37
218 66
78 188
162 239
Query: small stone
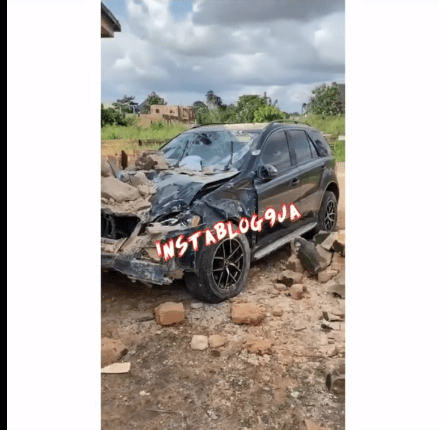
111 351
326 275
296 291
280 287
277 311
247 313
199 342
288 277
299 327
294 264
259 346
169 313
216 340
266 379
197 305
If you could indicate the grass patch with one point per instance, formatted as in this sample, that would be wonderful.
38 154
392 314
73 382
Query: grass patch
334 125
339 151
156 131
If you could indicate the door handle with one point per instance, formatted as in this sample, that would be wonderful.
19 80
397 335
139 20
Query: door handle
295 182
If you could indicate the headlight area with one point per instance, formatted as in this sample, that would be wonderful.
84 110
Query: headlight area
171 232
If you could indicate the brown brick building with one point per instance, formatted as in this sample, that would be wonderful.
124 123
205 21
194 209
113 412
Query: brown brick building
183 114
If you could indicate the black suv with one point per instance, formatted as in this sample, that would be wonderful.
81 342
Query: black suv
231 194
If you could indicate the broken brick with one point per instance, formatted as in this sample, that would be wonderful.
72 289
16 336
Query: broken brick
247 313
111 351
259 346
169 313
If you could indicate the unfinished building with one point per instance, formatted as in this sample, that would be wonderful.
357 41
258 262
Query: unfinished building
182 114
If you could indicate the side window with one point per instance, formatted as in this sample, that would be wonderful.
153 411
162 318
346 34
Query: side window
276 152
300 145
322 147
313 149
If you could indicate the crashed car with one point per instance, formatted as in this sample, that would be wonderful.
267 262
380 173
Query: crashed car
214 199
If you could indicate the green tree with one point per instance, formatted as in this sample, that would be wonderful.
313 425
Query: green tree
268 113
326 101
152 99
125 104
112 116
247 106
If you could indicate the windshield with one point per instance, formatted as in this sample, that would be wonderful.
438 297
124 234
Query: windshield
212 149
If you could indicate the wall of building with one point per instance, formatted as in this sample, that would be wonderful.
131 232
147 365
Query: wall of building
183 114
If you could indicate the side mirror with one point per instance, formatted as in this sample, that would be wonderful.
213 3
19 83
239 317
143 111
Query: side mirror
266 172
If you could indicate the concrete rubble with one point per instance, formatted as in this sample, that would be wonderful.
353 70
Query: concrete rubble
199 342
129 191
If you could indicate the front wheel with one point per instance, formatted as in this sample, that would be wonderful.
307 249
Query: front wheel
223 270
328 212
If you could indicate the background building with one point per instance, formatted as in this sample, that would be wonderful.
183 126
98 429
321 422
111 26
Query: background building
109 24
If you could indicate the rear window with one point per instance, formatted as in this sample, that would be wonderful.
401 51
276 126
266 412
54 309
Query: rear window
322 147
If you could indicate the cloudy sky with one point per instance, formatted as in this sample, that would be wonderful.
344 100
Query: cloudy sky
181 49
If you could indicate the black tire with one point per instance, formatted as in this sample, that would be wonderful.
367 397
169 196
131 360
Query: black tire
211 285
327 219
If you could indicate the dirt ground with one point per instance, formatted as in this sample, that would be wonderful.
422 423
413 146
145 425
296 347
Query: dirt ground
172 386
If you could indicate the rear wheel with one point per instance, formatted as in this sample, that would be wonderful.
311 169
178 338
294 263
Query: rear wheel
223 270
328 212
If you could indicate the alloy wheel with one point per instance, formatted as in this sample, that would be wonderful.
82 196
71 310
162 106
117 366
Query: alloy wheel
227 264
330 215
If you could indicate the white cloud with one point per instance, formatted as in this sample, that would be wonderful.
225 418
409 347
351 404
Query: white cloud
286 55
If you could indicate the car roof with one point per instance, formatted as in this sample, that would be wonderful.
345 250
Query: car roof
250 126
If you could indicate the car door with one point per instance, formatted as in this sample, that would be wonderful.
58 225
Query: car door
284 188
311 168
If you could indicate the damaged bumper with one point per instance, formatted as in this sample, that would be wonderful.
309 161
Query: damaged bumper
138 270
128 256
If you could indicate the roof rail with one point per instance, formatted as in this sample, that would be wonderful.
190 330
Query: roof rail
288 120
210 123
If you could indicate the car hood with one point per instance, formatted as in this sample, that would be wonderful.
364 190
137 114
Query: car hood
175 191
